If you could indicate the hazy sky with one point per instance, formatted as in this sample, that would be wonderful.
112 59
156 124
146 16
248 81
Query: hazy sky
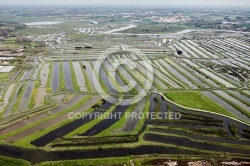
131 2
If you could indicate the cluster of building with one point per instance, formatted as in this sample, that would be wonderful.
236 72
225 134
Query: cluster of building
172 19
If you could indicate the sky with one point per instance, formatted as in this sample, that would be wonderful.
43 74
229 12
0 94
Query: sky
132 2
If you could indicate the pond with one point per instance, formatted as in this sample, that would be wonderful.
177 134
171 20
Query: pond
106 123
67 77
55 77
13 102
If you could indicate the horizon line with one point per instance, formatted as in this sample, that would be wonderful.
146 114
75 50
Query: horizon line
119 5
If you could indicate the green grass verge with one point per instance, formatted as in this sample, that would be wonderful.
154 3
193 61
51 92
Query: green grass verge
26 141
103 85
4 75
119 123
157 86
62 81
196 131
116 84
185 75
7 161
238 98
175 79
198 101
48 84
19 98
89 125
20 75
133 91
86 78
234 130
101 161
243 111
237 146
132 75
32 101
73 75
195 75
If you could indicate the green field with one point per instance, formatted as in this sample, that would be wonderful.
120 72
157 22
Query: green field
196 100
4 75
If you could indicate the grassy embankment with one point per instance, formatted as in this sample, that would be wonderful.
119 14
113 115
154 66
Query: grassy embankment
102 83
90 124
133 91
5 161
26 141
19 97
119 123
86 78
48 84
62 81
101 161
32 101
4 75
74 80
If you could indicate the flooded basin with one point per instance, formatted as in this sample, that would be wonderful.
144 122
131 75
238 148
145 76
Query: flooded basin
106 123
26 96
65 129
230 98
219 79
14 100
226 105
26 75
92 77
55 77
67 76
178 74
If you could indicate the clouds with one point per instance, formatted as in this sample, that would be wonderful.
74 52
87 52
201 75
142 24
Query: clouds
131 2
